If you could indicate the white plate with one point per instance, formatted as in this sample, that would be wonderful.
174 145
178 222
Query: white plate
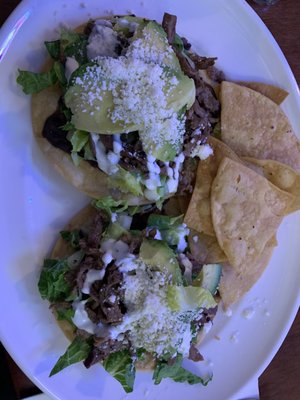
35 203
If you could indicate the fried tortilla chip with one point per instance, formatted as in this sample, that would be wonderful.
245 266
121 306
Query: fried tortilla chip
198 215
281 175
246 211
233 285
254 126
205 249
274 93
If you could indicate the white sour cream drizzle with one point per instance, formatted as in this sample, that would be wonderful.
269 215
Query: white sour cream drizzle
173 174
92 276
108 163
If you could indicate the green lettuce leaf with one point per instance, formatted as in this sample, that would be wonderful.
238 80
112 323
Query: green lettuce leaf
79 139
53 49
175 371
77 351
126 182
60 73
172 230
162 222
66 314
74 44
72 237
52 284
32 82
109 205
120 365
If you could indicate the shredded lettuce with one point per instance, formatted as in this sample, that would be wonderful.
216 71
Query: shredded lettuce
109 205
121 366
73 44
53 49
65 314
126 182
172 230
165 369
163 222
77 351
32 82
52 284
79 139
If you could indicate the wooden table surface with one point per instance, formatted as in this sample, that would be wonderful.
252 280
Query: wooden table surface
281 380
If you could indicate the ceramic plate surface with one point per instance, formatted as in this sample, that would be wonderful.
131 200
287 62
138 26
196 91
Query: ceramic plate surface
36 203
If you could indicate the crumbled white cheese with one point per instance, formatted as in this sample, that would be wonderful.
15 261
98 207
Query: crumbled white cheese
203 151
148 315
102 41
139 89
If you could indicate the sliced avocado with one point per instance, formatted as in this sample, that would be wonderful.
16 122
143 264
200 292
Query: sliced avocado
153 35
92 116
128 24
209 277
188 298
160 256
114 231
183 94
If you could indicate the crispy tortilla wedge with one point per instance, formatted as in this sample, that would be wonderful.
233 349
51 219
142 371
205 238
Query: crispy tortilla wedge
198 214
254 126
246 212
281 175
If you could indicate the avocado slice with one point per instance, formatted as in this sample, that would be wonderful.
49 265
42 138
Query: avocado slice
209 277
91 107
188 298
153 34
128 24
161 257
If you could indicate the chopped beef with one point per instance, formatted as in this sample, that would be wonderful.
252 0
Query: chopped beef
186 66
186 44
215 74
207 315
104 349
96 230
187 176
202 62
133 157
194 354
101 307
89 27
134 242
87 264
169 26
206 97
53 132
